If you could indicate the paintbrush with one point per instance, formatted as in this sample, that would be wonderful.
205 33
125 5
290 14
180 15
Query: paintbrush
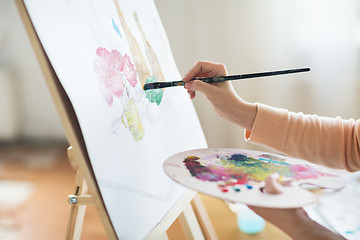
155 85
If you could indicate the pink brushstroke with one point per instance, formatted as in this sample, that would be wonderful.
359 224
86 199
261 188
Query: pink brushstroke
305 172
129 71
111 68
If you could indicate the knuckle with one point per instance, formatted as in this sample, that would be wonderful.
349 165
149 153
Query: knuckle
221 66
199 62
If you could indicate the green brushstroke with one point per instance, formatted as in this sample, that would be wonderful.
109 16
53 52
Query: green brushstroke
154 95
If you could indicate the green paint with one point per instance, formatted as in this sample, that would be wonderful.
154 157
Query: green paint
153 95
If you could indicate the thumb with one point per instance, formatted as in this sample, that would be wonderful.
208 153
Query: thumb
198 85
271 184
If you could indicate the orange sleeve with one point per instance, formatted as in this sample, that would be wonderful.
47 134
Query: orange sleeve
333 142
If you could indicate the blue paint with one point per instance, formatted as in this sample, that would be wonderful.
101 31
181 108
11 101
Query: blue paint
116 27
274 161
249 186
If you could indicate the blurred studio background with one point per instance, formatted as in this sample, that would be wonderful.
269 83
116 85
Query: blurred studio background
247 36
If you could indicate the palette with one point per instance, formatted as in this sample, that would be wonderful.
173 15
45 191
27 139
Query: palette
238 175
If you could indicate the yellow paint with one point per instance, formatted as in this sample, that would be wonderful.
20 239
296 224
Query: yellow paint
133 120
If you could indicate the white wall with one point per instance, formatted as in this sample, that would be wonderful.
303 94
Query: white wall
37 115
252 36
248 36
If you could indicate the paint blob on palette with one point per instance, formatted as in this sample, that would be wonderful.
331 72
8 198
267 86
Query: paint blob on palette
238 175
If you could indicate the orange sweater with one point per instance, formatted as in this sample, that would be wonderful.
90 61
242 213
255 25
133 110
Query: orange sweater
333 142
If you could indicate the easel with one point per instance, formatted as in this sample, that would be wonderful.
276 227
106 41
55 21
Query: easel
193 217
78 201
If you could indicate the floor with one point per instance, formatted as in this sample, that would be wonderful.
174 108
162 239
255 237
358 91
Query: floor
35 180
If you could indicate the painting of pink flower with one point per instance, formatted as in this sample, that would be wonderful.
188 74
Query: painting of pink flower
129 71
111 69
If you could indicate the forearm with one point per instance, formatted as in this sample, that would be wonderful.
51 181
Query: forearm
329 141
299 226
296 223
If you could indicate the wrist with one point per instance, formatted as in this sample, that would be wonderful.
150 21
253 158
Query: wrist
293 222
298 225
243 113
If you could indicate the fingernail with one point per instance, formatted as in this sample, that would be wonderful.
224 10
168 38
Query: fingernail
187 85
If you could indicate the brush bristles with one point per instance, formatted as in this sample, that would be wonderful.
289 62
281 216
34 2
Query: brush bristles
148 86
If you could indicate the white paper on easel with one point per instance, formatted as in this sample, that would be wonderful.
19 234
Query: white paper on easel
103 52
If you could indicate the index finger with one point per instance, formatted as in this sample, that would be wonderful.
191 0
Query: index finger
202 68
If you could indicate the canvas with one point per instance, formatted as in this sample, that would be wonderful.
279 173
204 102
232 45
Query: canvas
238 175
103 52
